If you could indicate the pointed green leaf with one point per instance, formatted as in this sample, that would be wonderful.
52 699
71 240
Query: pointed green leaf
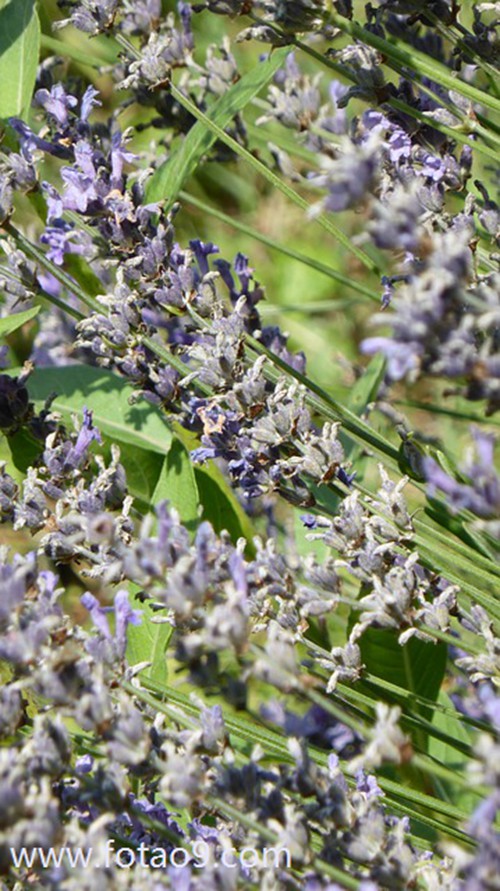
364 391
82 272
177 484
143 470
11 323
220 507
449 755
148 641
19 49
366 388
24 450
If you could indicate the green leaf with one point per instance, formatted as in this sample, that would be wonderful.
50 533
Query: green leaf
6 455
24 450
12 323
177 484
78 267
148 641
143 470
19 49
107 395
220 507
418 667
366 388
450 756
364 391
171 176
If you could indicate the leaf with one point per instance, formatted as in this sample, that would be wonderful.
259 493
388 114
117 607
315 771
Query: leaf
148 641
143 470
366 388
171 176
19 50
81 271
6 455
24 451
12 323
220 507
364 391
107 395
177 484
450 756
418 667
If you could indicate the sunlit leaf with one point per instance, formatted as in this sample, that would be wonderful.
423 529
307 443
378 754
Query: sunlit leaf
19 48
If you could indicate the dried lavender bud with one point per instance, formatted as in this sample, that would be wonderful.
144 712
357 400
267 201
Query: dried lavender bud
110 646
6 196
349 177
8 494
387 744
90 16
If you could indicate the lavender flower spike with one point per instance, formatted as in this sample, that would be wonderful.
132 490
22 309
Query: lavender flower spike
482 494
124 616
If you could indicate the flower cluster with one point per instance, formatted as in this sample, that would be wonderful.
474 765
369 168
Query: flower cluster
213 597
262 429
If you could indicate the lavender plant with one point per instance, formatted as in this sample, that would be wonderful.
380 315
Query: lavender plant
249 619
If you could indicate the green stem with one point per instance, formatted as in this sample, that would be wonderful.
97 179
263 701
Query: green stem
401 106
413 59
36 254
275 245
274 743
66 50
278 183
449 34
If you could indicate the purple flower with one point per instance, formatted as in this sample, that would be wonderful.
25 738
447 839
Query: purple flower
97 614
29 142
201 252
402 358
367 784
124 616
350 176
56 103
119 157
89 101
482 494
87 434
62 239
79 191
